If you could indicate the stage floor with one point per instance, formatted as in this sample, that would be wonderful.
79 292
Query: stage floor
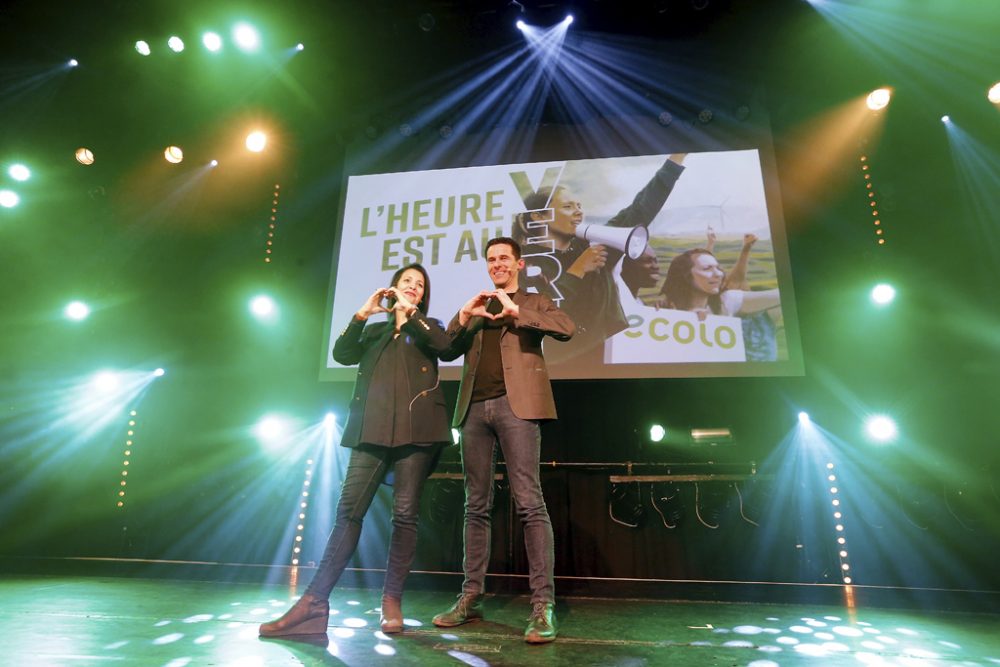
101 620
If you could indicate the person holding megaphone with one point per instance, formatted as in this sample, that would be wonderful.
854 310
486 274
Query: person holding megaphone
587 255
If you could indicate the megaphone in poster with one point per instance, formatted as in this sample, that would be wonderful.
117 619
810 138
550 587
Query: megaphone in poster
630 240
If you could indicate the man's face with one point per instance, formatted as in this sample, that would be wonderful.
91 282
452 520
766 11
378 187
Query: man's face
503 267
641 272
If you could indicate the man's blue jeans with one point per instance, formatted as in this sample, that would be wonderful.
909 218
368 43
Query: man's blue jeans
487 423
367 468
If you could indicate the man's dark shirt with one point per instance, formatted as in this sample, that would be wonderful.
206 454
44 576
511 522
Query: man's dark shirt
489 381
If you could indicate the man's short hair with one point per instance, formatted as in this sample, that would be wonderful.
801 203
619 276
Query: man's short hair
514 245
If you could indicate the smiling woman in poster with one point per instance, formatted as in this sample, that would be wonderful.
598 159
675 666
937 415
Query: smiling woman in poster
695 282
398 424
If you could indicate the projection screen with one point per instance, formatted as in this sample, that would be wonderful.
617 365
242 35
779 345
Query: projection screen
728 312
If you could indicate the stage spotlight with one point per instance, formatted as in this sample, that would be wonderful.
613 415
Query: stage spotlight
711 436
883 293
246 37
173 154
106 382
568 20
176 44
804 418
84 156
9 198
665 118
262 307
272 429
705 116
881 428
300 47
142 46
211 41
445 131
657 433
76 310
19 172
456 435
329 420
626 504
946 119
73 62
993 94
159 372
213 163
256 141
521 25
878 99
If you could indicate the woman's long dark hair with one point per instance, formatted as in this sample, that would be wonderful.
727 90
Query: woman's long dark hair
678 288
425 303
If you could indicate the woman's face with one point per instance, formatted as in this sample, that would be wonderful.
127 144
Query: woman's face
567 213
411 284
706 276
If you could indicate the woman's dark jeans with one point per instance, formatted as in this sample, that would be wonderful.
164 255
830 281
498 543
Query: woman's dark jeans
369 464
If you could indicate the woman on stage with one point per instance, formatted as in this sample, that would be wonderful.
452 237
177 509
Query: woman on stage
398 424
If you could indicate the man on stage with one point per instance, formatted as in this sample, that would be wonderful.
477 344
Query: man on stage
504 396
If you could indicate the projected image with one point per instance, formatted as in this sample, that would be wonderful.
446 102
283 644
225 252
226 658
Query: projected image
669 265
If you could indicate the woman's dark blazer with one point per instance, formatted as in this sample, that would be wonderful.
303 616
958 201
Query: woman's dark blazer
424 339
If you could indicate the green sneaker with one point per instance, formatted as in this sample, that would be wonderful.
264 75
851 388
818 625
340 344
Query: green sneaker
468 607
541 624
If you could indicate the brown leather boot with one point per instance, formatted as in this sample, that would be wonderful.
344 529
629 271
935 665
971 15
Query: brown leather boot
392 615
308 616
